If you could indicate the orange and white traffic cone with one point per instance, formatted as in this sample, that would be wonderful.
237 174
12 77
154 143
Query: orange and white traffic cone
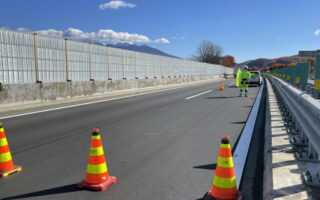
6 163
224 186
221 86
97 176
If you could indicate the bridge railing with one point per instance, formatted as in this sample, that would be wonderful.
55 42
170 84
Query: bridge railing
240 155
302 113
299 76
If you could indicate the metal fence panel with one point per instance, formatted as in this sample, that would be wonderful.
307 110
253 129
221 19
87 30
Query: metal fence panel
26 58
78 61
16 57
116 63
99 60
51 59
129 64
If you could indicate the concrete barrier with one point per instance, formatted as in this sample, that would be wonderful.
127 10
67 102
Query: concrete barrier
13 94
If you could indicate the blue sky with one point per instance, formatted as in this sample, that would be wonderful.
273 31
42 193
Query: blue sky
245 29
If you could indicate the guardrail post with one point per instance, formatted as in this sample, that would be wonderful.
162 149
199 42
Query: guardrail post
317 78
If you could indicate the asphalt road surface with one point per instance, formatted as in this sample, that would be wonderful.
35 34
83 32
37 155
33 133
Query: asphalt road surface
160 146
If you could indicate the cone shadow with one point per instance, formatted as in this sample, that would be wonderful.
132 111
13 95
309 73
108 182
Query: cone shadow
202 197
247 106
243 122
52 191
208 167
221 97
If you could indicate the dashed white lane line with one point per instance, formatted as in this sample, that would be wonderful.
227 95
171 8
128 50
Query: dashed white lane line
198 94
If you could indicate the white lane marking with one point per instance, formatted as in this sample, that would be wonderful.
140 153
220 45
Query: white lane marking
88 103
199 94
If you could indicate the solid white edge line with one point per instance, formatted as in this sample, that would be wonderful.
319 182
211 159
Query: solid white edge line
198 94
241 151
88 103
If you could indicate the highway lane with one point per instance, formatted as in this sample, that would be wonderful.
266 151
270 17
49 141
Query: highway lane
159 146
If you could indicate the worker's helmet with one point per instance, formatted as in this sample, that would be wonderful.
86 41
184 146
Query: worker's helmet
246 67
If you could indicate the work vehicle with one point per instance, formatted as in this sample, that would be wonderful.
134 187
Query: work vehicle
255 78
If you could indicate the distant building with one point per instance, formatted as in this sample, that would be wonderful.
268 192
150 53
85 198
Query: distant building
310 53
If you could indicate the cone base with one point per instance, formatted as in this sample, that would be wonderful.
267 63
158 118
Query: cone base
208 196
7 173
98 187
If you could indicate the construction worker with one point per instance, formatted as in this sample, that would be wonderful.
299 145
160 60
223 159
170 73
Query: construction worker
242 80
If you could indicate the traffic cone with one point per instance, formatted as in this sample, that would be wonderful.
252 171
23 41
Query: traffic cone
6 164
224 186
97 177
221 86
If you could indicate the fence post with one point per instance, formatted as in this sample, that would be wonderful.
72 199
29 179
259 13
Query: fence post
36 63
108 64
123 75
161 66
90 62
145 65
66 60
135 64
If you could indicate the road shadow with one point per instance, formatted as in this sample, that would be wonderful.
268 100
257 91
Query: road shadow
208 166
221 97
52 191
289 190
247 106
202 198
238 122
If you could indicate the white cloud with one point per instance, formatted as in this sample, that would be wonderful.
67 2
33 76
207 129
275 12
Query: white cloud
103 36
116 5
50 32
317 32
114 37
25 30
75 34
182 36
162 41
179 37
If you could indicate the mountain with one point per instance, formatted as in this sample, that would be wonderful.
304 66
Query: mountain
263 62
142 48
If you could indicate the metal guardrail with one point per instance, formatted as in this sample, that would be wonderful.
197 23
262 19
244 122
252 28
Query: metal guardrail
302 113
241 152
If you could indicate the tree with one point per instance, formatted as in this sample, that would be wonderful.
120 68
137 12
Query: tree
208 52
254 68
227 61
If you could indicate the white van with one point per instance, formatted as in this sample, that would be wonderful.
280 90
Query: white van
255 78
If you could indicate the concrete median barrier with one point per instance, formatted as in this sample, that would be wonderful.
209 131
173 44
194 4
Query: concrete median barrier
17 94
